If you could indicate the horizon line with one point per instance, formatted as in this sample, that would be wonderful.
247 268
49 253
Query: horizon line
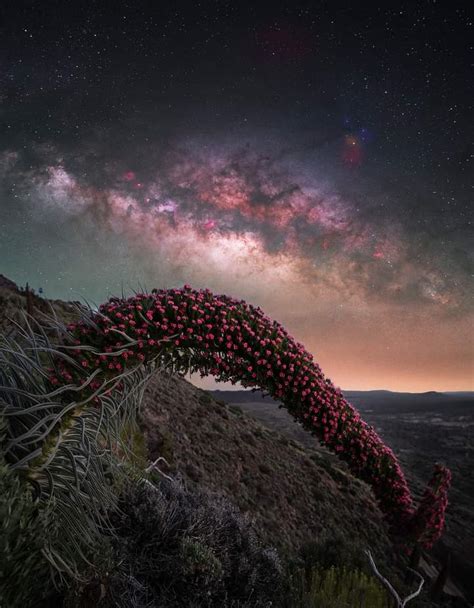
360 390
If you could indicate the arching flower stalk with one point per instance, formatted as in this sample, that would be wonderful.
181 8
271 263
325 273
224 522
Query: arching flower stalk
191 331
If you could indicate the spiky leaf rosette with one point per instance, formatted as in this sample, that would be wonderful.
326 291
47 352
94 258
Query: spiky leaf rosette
63 440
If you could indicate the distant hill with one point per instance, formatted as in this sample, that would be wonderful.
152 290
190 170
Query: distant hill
376 400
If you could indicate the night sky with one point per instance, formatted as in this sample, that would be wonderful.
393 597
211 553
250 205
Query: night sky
313 158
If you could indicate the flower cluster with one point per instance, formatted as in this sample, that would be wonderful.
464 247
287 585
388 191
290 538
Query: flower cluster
234 341
428 521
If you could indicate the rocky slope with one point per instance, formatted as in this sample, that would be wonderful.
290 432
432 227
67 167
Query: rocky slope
295 494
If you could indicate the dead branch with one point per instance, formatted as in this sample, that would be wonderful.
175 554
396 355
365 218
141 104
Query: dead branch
401 603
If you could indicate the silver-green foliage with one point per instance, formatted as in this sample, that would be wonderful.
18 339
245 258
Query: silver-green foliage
25 530
59 448
179 547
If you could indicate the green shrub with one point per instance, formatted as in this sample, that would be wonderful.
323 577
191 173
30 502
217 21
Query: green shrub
25 530
205 398
332 550
338 588
334 571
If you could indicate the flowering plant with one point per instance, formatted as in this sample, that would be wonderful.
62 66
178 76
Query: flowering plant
192 331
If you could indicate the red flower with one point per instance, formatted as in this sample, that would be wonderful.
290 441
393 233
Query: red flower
253 340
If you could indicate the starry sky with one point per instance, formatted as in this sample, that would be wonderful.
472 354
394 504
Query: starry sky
313 158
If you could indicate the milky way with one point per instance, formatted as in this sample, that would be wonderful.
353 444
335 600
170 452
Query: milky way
240 206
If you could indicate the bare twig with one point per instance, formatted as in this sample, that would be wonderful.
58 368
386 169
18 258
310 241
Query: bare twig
400 603
154 467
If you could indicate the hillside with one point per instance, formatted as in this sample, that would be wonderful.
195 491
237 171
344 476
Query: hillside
422 428
15 300
296 494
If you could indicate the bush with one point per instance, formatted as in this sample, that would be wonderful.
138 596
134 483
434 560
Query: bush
340 588
181 548
25 577
332 550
